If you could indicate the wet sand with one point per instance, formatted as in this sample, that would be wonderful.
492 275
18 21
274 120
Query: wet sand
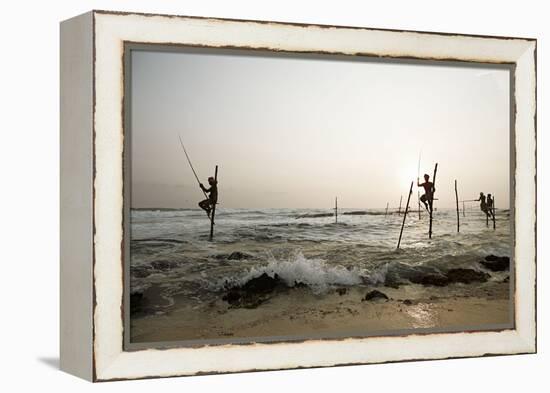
299 312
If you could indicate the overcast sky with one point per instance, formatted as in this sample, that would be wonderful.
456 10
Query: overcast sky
295 132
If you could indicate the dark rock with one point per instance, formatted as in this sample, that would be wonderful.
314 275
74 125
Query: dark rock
459 275
407 302
232 297
394 280
430 279
237 256
495 263
374 295
254 292
466 276
163 265
136 302
342 291
262 284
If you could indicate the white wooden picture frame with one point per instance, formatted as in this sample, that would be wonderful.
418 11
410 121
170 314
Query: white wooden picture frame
92 194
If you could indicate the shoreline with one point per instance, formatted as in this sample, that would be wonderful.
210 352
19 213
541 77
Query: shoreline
299 312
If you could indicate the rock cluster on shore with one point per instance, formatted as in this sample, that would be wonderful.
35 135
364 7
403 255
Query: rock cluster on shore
257 290
253 292
459 275
456 275
496 264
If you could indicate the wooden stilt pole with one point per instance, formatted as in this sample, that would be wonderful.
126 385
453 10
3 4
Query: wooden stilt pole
494 214
213 207
431 203
457 210
336 210
419 209
405 215
387 205
463 209
400 201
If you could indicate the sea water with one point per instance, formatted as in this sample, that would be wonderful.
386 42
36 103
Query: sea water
170 248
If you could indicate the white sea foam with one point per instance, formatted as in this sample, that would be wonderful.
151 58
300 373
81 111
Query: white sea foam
378 276
298 269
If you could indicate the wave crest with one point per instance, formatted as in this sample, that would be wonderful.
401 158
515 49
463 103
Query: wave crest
298 269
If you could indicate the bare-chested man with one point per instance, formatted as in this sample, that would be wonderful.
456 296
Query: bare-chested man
429 190
209 203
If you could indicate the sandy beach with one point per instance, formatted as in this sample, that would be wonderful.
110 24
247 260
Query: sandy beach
340 312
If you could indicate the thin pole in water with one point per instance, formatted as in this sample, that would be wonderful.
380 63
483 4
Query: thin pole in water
387 205
431 202
457 209
336 210
400 201
214 207
463 209
419 209
417 178
405 215
494 214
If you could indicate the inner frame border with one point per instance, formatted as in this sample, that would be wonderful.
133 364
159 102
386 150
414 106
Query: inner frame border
131 46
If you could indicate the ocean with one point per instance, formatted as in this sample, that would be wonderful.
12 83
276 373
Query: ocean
170 250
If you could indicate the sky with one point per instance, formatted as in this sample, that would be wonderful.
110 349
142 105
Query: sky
289 131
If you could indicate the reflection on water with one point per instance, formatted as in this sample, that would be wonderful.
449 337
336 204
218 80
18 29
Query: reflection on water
422 314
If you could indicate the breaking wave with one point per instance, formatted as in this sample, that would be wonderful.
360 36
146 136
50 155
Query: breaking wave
296 270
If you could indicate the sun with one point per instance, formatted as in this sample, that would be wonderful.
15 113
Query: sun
408 175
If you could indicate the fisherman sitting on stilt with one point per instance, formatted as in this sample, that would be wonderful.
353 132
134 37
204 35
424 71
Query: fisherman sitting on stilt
429 189
209 203
483 203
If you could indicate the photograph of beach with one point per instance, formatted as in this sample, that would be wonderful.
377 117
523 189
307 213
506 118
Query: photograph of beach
279 197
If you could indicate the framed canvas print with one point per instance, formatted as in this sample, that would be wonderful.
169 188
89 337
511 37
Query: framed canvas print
245 195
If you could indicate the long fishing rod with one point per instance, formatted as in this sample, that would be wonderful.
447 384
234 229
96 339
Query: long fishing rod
418 169
191 165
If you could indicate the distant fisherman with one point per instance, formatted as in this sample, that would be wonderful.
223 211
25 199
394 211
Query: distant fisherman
429 190
209 203
483 203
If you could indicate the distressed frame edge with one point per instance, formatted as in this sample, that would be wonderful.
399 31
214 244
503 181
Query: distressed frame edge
304 24
528 340
526 123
